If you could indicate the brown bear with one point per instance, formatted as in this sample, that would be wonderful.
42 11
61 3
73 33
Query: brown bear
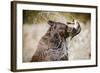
53 45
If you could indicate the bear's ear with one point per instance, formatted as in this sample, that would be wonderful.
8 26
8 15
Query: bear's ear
51 23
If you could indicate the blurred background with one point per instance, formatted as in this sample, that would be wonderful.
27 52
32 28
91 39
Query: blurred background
35 26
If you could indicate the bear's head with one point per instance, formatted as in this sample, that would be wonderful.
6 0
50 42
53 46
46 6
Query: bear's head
61 30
